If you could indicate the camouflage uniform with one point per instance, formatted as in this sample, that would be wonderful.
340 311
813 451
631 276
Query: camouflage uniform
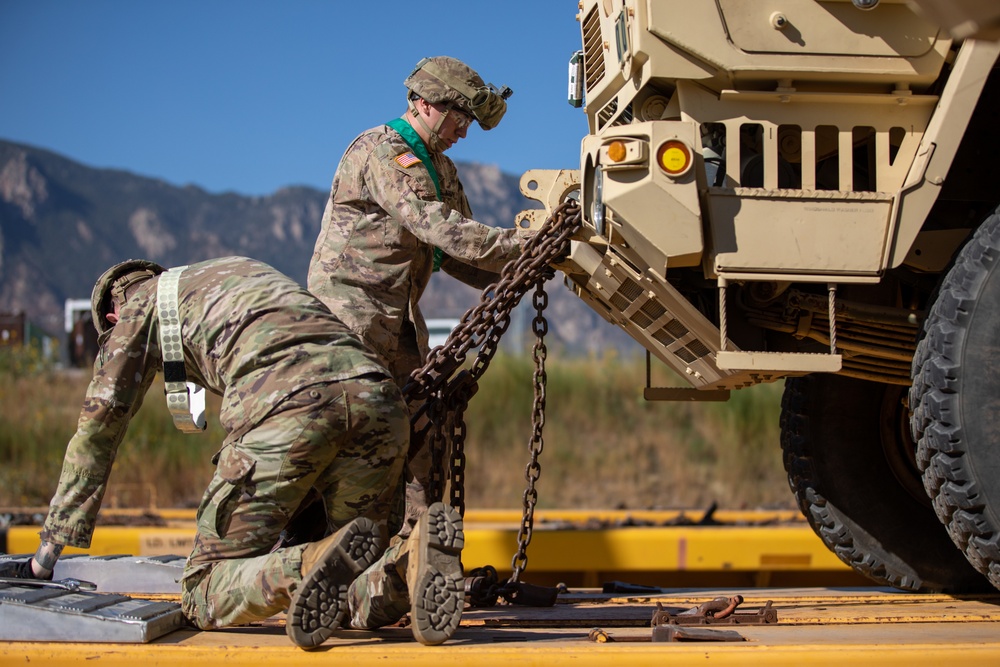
305 405
396 210
374 257
375 251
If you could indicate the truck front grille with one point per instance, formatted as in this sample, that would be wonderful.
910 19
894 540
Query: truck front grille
593 50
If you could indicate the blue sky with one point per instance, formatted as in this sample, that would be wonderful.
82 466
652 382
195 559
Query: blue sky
250 96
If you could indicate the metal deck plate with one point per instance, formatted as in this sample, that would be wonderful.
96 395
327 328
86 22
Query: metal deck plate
125 574
142 575
56 612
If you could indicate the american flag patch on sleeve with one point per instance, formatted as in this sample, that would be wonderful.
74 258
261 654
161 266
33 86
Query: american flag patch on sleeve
407 159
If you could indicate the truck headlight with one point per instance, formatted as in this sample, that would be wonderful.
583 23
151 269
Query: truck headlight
597 201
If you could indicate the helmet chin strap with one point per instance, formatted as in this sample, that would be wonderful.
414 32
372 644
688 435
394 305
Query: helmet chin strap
434 142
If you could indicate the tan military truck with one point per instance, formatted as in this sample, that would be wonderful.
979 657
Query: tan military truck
808 190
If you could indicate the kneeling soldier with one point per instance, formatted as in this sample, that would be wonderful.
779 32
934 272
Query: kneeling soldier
307 409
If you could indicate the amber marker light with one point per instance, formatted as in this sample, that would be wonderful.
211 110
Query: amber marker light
617 151
674 157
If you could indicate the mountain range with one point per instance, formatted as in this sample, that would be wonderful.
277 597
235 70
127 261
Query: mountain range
63 223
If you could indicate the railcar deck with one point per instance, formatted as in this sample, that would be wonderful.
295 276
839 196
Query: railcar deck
815 626
817 622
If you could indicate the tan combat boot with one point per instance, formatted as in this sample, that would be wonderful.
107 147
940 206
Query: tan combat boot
434 574
319 605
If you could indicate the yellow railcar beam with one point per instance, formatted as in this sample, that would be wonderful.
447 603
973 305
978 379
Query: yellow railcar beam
576 547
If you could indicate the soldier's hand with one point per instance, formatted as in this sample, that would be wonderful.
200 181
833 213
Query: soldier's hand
525 234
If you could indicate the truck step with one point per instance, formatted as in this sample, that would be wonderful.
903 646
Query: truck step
789 362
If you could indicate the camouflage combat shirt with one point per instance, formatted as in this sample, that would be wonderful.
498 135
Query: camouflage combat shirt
250 334
374 255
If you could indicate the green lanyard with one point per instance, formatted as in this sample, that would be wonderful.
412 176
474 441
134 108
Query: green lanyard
416 144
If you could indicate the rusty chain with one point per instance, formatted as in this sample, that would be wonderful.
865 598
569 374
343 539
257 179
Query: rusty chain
533 470
444 391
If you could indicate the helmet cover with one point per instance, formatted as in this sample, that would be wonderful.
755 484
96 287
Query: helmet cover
446 80
117 282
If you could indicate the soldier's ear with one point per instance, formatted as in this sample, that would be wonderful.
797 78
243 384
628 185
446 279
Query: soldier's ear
112 316
421 106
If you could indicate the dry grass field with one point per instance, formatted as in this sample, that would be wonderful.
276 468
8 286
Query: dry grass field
605 446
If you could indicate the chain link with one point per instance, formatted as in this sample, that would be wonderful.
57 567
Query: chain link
533 470
445 393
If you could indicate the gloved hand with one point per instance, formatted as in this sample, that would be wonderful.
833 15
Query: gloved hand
17 569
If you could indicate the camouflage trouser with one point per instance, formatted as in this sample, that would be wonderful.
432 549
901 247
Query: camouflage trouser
379 596
412 499
345 439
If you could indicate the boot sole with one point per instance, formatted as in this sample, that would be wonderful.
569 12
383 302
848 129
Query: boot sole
320 603
438 597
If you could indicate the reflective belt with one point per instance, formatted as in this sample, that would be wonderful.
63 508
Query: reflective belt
185 400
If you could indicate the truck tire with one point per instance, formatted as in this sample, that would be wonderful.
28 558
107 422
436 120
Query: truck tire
860 490
954 399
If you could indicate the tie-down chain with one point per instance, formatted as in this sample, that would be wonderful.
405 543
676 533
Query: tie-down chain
444 391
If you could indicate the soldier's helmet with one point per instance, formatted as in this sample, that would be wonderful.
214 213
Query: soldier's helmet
118 283
442 79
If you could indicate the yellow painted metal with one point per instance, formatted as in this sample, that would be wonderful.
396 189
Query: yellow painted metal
557 545
121 540
815 626
657 548
254 649
826 607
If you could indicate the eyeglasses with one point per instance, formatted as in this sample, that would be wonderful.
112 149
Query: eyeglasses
462 120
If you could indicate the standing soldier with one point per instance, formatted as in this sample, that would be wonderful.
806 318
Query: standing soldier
396 213
306 406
